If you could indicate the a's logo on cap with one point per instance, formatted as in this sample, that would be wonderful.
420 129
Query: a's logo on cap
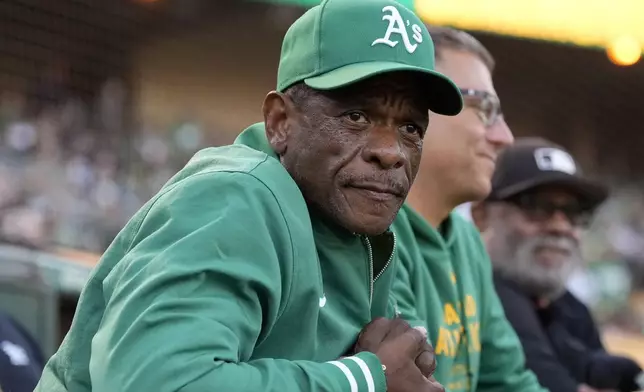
397 26
553 159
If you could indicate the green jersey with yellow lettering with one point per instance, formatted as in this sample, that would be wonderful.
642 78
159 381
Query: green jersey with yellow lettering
445 284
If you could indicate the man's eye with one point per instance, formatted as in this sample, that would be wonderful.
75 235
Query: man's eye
357 117
413 129
484 116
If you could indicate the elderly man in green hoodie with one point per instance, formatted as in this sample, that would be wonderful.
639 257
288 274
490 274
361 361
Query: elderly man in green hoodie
259 264
445 281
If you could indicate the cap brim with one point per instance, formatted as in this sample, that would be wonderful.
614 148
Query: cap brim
590 193
443 95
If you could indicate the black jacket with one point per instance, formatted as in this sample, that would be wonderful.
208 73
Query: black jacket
562 344
21 361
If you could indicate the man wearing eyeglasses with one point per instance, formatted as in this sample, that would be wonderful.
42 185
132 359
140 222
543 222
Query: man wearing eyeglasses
445 278
531 221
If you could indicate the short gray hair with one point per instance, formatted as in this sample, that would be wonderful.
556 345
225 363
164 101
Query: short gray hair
449 38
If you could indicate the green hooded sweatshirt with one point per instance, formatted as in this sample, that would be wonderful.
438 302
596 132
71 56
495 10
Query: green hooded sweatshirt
224 281
445 283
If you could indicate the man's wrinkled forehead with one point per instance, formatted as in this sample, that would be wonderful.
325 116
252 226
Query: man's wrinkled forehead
392 90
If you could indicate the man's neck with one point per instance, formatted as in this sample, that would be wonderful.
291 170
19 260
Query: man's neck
432 206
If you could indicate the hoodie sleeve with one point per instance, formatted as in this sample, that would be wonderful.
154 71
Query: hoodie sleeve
206 276
503 366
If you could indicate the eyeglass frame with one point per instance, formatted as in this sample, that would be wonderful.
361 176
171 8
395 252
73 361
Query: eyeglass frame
527 203
481 97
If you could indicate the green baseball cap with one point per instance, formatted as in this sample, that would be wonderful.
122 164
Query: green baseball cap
340 42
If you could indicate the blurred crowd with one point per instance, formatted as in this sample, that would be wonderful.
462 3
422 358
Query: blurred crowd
72 172
613 279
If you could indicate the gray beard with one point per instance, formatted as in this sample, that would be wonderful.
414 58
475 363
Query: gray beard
518 264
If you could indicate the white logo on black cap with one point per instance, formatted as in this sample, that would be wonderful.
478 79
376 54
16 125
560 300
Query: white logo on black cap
16 354
397 26
554 159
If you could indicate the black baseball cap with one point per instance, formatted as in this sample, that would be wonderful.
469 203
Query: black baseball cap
534 162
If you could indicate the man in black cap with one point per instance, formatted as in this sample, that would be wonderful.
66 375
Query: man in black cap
531 222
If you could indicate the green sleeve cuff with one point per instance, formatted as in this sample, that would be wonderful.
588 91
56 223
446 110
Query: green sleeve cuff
361 373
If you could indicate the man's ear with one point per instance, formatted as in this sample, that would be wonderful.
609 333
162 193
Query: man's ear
277 111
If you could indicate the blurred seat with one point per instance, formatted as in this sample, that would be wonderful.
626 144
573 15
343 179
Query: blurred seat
637 304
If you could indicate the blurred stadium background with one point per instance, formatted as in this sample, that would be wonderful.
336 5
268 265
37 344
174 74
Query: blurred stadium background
101 101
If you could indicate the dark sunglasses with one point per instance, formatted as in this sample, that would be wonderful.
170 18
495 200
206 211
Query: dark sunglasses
540 210
487 106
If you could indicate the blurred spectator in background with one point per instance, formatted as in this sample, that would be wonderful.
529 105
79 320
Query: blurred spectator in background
71 171
627 238
531 222
21 361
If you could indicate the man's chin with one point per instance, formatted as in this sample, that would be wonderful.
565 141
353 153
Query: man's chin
369 224
357 212
482 188
551 260
548 282
476 190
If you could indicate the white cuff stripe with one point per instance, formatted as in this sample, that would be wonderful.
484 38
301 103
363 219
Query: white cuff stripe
371 387
347 373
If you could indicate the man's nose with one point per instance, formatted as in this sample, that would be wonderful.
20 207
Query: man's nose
500 134
384 148
559 224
